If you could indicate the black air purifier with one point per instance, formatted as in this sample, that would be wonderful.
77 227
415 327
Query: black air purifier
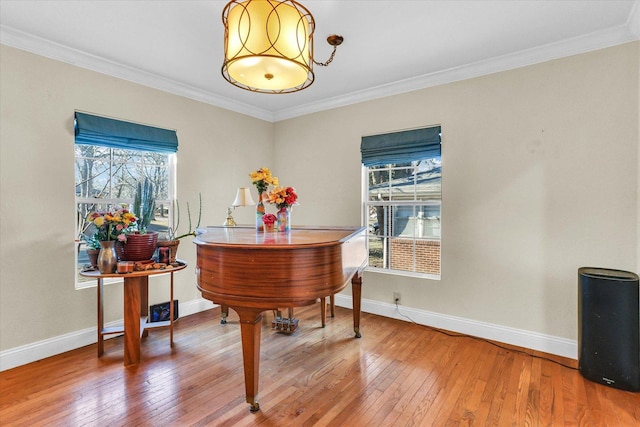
609 327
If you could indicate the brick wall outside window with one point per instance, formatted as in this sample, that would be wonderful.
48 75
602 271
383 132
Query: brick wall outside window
427 255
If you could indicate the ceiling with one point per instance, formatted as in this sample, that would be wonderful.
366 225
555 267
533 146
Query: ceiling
390 46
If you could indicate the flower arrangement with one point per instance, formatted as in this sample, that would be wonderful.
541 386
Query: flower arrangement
283 197
112 225
269 219
262 179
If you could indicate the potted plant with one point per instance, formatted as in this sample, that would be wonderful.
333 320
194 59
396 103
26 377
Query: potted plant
93 248
141 244
269 221
144 204
173 238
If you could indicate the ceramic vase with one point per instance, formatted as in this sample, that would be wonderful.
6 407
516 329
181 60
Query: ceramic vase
138 247
93 257
173 248
107 259
259 212
284 219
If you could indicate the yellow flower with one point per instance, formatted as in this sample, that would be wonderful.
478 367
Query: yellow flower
110 225
260 174
262 178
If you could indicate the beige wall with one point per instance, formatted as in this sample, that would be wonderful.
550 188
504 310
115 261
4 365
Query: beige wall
38 98
540 177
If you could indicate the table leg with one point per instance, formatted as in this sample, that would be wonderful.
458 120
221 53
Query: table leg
100 319
356 286
171 313
250 328
132 309
323 311
144 303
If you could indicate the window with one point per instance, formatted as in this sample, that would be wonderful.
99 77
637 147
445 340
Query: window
402 207
111 156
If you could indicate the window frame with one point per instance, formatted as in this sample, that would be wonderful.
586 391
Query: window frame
79 245
368 204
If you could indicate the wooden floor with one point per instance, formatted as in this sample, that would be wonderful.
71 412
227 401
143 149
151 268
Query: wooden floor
397 374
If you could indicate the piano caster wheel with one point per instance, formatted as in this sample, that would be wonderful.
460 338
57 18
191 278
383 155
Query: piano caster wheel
255 407
357 331
223 321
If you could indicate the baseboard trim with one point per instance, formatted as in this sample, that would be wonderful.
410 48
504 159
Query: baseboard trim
517 337
546 343
28 353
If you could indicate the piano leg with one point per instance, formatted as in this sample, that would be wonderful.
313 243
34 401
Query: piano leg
356 290
224 313
250 328
332 300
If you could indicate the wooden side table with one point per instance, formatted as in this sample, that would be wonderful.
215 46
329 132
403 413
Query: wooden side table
136 310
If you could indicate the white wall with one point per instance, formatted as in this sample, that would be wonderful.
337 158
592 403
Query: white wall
217 148
540 177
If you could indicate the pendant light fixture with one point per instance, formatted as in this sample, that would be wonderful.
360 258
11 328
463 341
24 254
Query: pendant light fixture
268 45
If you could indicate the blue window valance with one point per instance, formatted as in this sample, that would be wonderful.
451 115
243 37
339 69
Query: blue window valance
96 130
401 147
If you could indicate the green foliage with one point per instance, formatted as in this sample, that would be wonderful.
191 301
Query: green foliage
92 241
173 231
144 204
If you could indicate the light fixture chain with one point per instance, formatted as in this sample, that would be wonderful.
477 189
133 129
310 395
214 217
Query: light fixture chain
324 64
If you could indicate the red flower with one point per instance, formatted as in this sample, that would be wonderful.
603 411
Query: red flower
269 218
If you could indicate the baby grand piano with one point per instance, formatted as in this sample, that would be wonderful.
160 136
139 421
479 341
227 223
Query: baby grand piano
253 272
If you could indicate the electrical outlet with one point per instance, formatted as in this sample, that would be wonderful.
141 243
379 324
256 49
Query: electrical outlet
396 297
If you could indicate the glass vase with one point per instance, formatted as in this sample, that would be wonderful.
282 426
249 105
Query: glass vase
259 212
107 259
284 219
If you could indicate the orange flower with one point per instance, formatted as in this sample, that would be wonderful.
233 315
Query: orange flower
283 197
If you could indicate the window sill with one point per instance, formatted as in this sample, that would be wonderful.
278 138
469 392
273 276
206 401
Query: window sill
404 273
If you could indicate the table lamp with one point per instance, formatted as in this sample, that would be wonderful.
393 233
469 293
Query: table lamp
243 198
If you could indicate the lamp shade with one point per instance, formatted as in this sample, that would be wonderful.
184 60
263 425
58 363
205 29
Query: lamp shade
243 198
268 45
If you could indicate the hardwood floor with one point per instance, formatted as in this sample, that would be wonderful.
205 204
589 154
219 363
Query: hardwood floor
397 374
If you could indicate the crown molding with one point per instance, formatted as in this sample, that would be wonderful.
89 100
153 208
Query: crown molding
633 23
39 46
628 32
